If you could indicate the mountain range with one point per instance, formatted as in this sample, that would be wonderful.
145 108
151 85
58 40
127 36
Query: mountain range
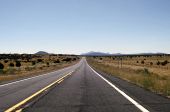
93 53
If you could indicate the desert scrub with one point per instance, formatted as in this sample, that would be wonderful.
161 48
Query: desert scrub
142 77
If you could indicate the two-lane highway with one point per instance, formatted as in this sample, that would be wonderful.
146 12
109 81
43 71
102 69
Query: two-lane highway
14 92
85 90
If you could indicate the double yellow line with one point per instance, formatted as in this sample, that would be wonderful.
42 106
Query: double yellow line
15 108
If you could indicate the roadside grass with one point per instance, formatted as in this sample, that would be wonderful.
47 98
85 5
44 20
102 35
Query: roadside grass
28 69
141 77
157 64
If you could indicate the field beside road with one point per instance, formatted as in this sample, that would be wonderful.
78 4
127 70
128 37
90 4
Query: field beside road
15 66
149 72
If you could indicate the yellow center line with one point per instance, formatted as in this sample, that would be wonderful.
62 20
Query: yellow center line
60 81
13 108
20 110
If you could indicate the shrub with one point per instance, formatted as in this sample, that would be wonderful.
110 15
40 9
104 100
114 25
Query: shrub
67 59
164 63
1 66
158 63
151 63
5 61
137 61
33 63
74 59
11 64
18 63
39 60
28 60
57 61
142 62
48 63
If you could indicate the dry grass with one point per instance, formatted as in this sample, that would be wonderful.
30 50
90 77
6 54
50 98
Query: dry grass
141 76
35 72
28 69
135 63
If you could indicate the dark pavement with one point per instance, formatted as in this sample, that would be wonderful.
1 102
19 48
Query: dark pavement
14 92
84 91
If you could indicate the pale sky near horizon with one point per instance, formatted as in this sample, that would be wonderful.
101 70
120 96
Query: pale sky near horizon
78 26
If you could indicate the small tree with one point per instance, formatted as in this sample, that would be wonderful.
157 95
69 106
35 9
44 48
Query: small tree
5 61
164 63
18 63
48 63
158 63
67 59
33 63
151 63
11 64
57 61
142 62
39 60
74 59
1 66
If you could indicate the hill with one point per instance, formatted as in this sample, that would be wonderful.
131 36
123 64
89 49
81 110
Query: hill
41 53
92 53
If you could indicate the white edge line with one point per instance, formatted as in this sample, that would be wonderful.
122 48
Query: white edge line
121 92
27 79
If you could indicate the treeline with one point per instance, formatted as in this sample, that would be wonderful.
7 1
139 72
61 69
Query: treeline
27 56
131 56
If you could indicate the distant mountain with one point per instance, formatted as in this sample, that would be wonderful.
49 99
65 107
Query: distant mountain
41 53
92 53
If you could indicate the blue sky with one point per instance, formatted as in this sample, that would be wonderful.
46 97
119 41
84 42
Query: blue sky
78 26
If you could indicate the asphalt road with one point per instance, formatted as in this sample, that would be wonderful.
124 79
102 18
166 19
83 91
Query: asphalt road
14 92
84 91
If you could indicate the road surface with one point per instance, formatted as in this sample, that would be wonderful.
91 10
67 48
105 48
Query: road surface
14 92
84 90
